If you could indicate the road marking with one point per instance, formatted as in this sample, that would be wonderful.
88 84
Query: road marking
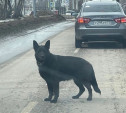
29 107
76 50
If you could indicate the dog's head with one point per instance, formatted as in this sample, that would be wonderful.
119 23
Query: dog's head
41 52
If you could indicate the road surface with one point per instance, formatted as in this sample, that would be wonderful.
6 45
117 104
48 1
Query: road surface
22 90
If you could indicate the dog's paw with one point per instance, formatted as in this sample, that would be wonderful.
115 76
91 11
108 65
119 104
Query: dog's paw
89 99
75 97
53 101
47 99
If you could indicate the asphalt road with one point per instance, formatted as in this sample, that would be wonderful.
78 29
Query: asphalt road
22 90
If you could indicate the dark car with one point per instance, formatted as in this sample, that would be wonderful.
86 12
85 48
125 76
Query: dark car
100 21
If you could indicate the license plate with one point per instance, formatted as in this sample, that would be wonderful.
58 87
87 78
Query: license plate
102 23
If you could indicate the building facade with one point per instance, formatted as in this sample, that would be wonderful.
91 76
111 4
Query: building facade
75 4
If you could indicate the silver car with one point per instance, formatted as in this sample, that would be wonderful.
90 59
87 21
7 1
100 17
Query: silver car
100 21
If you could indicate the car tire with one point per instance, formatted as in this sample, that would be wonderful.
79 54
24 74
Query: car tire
77 43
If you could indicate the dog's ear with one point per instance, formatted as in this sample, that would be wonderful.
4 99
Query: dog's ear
35 45
47 45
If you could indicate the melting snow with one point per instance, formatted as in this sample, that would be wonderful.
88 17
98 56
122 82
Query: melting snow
12 46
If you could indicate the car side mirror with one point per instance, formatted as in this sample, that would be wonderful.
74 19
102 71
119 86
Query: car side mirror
74 14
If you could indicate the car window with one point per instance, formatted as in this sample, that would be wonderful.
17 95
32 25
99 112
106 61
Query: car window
101 8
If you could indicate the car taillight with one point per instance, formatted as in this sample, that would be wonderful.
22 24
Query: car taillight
120 20
83 20
80 20
123 20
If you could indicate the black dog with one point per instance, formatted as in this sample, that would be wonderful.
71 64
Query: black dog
55 68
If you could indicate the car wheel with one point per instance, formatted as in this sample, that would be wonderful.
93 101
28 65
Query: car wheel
77 43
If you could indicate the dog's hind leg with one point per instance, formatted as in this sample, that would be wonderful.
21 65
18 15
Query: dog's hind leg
88 86
56 92
81 88
50 90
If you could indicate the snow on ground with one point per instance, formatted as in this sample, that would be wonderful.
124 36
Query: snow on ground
12 46
7 20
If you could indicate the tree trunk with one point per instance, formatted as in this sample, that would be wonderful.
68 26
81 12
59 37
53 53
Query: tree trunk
5 10
9 10
18 9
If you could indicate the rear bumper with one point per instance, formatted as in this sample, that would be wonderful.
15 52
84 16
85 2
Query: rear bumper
100 34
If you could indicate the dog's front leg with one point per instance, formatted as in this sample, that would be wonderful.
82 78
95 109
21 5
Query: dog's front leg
56 92
50 90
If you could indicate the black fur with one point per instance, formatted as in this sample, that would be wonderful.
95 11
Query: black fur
55 68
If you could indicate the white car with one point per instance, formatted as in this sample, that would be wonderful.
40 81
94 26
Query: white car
69 12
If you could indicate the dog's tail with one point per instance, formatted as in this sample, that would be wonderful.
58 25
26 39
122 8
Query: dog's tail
94 83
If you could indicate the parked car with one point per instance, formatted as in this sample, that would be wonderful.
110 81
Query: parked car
100 21
69 12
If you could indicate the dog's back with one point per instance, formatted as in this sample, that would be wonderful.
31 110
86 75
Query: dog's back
70 65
